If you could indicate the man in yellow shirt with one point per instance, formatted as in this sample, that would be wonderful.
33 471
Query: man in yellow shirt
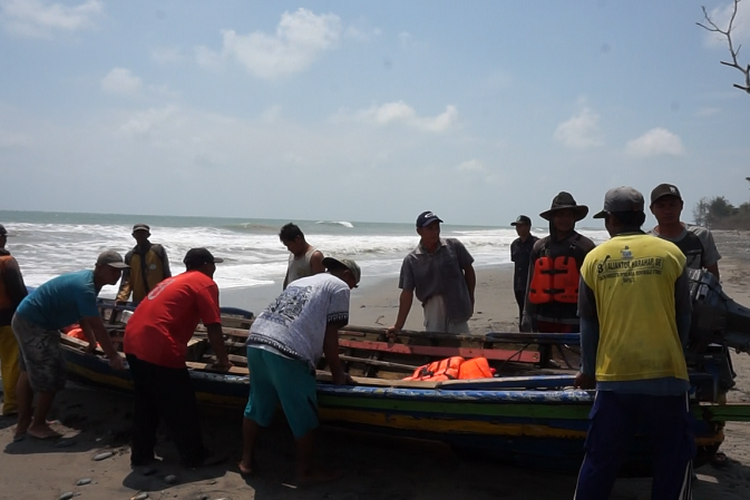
634 306
148 263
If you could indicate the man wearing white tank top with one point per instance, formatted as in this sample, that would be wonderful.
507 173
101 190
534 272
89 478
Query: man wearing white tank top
304 259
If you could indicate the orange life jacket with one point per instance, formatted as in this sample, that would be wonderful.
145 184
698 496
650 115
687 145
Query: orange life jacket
554 280
438 371
475 368
5 302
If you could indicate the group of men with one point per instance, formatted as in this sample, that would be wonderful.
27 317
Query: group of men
627 297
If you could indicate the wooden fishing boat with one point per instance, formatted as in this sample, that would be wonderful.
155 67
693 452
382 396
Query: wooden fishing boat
526 414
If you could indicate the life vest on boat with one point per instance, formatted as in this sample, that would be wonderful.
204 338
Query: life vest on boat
475 368
438 371
554 279
453 368
5 302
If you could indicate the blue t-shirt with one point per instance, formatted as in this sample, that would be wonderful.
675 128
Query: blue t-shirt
61 301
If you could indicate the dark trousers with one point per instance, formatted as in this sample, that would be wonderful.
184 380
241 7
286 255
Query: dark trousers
520 300
669 425
165 393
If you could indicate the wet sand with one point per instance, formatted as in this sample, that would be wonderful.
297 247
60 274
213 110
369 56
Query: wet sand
97 421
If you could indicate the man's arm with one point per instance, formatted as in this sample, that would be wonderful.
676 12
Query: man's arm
683 307
14 285
471 282
529 309
316 262
586 377
714 269
216 339
331 351
404 306
165 263
96 325
123 294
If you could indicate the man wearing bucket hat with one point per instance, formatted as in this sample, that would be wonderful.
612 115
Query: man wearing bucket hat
284 346
552 294
520 253
635 317
148 263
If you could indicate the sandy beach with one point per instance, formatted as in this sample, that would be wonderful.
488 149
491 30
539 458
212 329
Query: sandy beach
96 421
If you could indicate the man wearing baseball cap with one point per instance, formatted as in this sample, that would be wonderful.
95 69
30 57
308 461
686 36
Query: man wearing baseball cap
148 263
634 305
60 302
284 345
439 272
155 344
12 292
696 242
520 255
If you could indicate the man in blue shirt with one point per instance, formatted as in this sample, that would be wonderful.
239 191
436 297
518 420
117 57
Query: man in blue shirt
60 302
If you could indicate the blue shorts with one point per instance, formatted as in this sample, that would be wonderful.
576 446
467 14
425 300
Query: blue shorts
274 379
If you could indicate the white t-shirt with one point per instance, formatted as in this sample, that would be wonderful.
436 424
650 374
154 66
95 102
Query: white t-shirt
295 323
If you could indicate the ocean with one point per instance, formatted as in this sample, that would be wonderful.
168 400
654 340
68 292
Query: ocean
47 244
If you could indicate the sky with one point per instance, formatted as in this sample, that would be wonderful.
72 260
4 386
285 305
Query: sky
366 111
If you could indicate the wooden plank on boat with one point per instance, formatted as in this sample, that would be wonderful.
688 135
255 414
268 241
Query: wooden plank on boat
437 351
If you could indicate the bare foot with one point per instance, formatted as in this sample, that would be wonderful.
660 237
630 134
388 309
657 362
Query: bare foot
318 476
245 469
43 432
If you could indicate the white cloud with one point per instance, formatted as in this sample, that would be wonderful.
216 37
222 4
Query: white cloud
657 141
708 111
471 166
144 122
39 19
167 55
580 131
121 81
720 16
11 139
401 112
299 40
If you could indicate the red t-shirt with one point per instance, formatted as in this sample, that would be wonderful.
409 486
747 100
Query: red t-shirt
164 321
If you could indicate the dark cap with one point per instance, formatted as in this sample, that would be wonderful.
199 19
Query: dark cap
141 227
112 259
427 218
196 257
663 190
331 263
621 199
521 219
3 231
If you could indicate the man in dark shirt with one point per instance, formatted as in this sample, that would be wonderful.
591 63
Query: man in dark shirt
12 292
520 253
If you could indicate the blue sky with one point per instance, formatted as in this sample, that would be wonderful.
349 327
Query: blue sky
365 111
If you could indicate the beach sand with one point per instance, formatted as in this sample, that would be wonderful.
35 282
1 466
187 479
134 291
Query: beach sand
97 421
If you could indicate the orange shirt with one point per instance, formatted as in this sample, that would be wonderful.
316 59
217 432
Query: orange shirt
164 322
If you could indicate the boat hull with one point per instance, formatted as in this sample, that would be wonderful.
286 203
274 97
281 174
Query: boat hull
534 427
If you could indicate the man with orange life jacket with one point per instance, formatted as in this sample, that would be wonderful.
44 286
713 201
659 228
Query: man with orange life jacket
552 293
12 292
148 263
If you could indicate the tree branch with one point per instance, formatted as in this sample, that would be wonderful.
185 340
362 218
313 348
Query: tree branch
711 26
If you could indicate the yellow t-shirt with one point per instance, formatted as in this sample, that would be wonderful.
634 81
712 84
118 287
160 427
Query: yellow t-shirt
633 278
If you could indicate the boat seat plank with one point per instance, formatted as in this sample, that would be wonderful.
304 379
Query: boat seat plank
437 351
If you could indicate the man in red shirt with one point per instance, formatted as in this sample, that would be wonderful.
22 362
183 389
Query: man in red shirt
155 345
